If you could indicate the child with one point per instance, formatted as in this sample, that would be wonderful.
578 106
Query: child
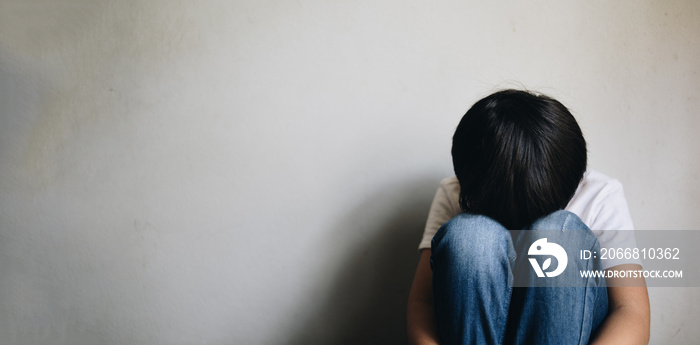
520 163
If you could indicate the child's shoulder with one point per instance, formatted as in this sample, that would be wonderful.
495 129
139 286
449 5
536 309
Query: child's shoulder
450 182
597 183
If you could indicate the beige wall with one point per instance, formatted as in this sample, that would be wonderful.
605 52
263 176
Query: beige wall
187 172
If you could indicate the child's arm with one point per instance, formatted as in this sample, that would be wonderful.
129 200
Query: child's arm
420 314
629 315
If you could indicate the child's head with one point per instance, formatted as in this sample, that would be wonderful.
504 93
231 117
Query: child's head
518 156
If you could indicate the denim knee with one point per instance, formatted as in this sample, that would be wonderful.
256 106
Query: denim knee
476 241
564 221
567 231
560 220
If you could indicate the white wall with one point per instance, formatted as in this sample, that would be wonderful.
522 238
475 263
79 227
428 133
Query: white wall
186 172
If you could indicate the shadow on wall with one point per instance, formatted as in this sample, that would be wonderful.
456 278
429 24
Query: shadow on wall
366 303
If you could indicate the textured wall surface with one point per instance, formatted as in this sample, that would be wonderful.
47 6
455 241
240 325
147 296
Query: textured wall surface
230 172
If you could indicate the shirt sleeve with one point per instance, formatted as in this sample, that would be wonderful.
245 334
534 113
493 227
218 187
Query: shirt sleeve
614 222
442 210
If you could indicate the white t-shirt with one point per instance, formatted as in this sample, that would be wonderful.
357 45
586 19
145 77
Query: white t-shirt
599 201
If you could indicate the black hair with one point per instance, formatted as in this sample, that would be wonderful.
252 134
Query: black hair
518 156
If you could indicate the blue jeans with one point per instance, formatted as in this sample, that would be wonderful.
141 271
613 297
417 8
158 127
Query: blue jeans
476 301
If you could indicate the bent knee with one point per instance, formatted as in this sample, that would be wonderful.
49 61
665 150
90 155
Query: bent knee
559 220
472 238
